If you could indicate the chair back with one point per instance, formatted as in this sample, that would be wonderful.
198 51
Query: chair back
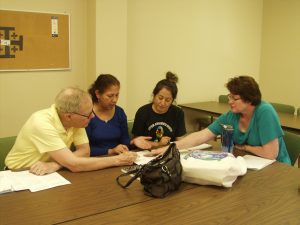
292 142
6 144
283 108
223 99
130 125
205 121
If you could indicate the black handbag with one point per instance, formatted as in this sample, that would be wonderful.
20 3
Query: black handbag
160 176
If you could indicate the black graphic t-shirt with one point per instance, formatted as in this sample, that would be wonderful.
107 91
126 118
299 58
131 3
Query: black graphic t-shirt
149 123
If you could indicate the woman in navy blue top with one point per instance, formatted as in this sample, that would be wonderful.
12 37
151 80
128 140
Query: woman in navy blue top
107 131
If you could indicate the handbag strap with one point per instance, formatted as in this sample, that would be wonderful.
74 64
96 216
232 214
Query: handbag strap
137 172
169 150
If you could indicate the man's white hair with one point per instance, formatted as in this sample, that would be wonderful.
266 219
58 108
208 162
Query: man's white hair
69 99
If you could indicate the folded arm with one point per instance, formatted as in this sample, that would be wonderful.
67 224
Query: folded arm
268 151
77 164
42 168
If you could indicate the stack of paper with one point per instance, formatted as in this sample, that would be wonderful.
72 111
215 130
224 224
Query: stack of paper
257 163
5 184
17 181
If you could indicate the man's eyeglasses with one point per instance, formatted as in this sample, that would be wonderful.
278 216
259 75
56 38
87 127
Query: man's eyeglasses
86 116
232 98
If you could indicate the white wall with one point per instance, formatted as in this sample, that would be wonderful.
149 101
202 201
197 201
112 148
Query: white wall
204 42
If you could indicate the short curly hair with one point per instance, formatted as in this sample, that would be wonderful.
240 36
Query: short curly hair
246 87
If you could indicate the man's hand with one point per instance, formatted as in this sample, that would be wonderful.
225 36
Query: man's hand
118 150
42 168
142 142
126 158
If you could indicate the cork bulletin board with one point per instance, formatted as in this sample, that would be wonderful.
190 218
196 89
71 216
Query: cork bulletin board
34 41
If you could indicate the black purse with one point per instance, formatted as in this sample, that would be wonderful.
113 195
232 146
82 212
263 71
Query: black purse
160 176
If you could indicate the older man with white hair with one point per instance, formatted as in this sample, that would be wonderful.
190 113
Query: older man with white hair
43 144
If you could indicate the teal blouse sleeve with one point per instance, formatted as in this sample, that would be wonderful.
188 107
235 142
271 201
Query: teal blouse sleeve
266 123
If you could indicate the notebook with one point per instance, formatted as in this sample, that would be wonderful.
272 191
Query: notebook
256 162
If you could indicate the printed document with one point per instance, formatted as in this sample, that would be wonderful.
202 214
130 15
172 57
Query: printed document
17 181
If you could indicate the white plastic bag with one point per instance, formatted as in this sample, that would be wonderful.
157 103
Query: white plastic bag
212 168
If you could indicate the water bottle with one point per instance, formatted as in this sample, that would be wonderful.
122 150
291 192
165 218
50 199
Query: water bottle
227 138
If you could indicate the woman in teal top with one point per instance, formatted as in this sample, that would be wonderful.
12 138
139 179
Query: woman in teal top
264 127
256 125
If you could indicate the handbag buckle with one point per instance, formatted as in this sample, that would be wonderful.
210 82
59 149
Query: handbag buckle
166 170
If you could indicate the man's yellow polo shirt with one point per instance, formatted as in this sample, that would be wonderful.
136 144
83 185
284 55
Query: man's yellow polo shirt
43 132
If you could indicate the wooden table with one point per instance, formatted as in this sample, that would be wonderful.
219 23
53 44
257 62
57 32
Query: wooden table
88 194
269 196
288 121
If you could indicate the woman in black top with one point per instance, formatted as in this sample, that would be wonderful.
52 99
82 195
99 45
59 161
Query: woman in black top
160 119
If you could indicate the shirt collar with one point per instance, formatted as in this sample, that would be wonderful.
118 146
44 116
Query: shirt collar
56 120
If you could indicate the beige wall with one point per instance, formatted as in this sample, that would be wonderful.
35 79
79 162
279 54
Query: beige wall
22 93
204 42
91 41
280 70
111 42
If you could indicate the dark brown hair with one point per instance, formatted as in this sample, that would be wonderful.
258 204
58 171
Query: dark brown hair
246 87
102 82
169 83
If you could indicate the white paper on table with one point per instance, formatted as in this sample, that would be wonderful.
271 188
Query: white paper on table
25 180
17 181
141 159
257 163
5 184
48 181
